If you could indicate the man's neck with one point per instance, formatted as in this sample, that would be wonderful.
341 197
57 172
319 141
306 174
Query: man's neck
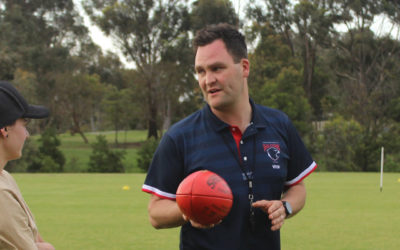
239 116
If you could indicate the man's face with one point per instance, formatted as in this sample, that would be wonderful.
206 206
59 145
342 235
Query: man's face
221 80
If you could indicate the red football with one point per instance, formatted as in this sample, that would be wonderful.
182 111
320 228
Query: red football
204 197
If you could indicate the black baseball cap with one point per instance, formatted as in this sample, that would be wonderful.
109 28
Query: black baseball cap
13 106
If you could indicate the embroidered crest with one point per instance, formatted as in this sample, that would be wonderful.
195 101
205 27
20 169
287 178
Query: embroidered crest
273 151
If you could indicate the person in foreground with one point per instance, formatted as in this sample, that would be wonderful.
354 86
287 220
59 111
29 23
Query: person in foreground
17 226
256 149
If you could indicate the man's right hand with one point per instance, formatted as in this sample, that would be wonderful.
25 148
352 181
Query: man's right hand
198 225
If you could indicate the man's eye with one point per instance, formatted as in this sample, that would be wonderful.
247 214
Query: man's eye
217 68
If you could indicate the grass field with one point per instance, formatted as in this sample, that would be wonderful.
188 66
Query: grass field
92 211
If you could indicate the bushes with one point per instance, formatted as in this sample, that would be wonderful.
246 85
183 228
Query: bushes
146 152
345 145
49 157
337 145
105 160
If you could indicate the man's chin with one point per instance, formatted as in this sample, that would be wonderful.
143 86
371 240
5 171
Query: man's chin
218 106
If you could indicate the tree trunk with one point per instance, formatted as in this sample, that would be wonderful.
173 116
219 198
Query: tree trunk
167 117
152 132
152 117
116 135
77 127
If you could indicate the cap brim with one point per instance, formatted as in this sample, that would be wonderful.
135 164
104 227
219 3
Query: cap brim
36 112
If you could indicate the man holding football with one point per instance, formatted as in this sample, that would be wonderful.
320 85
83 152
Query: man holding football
256 149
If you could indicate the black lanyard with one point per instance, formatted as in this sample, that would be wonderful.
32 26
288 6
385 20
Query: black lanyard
248 178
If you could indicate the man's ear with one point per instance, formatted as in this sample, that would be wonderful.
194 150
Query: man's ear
245 63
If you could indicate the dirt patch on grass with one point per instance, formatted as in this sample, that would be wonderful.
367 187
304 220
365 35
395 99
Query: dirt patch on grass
127 145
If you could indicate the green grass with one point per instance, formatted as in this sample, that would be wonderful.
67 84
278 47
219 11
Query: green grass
91 211
347 211
77 153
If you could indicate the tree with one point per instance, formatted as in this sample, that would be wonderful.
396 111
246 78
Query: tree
109 68
306 27
279 16
206 12
41 38
367 68
276 80
118 107
78 97
143 30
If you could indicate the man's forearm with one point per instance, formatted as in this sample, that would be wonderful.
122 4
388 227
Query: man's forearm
296 196
164 213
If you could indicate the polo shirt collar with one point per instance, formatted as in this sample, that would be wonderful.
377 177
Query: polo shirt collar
219 125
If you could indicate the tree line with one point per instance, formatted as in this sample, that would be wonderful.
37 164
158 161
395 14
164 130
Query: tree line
320 61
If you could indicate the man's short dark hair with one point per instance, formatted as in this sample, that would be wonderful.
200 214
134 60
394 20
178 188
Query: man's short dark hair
234 41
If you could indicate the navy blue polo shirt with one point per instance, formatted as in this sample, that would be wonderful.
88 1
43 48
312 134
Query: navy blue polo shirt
272 154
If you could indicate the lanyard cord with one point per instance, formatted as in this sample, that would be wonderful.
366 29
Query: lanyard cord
248 178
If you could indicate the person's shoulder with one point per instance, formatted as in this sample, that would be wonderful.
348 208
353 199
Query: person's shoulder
186 124
5 173
6 185
5 180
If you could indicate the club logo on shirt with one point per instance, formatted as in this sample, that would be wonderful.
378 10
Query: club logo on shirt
273 150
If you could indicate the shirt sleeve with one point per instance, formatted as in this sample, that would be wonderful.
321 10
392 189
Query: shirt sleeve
166 170
300 163
15 232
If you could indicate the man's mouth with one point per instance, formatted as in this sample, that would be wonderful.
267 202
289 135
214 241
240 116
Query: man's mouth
212 91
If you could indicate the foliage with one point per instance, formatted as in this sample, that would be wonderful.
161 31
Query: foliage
77 153
49 158
144 31
118 109
105 160
338 144
276 81
286 93
391 163
79 99
43 37
145 154
206 12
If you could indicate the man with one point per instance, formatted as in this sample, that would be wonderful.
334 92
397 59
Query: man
18 229
254 148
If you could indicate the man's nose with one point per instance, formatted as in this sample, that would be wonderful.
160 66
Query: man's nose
210 78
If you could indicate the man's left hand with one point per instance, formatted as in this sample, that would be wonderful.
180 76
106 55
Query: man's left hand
275 210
